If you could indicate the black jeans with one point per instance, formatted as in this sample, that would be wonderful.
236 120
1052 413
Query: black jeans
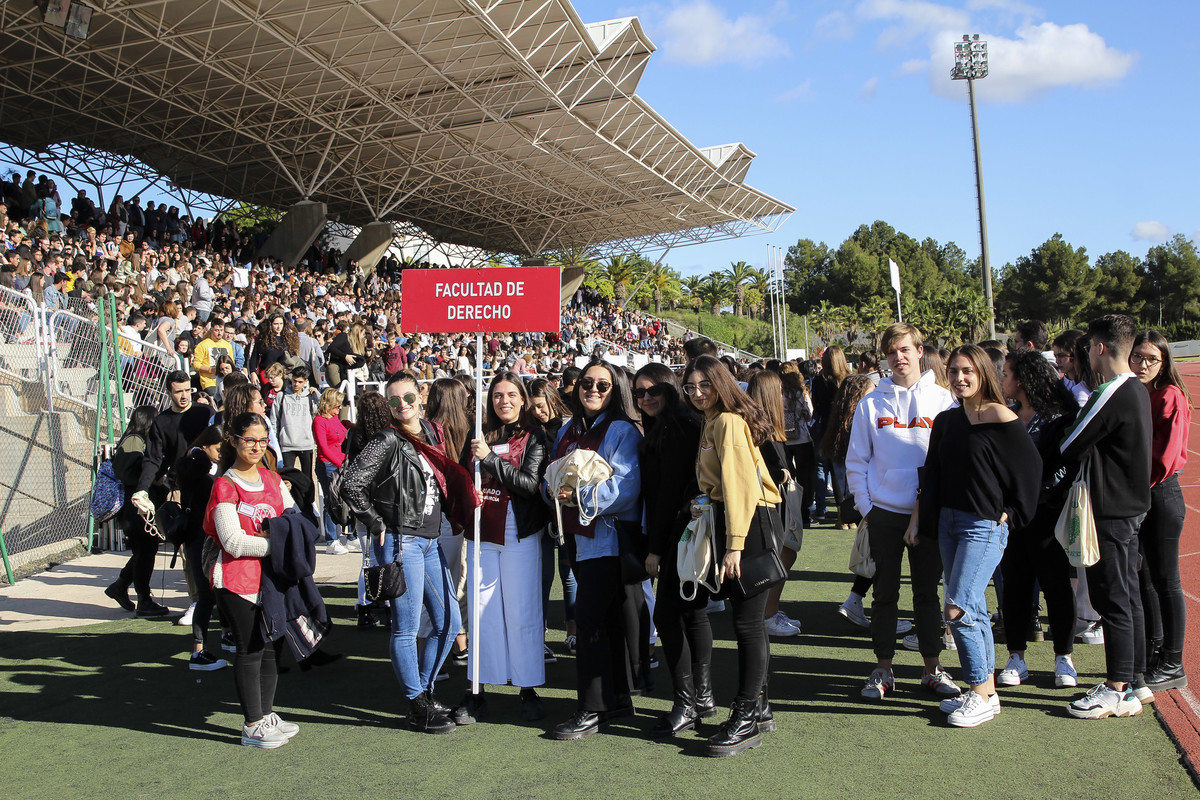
1034 556
600 661
143 548
1113 588
637 638
683 628
193 549
754 650
254 671
886 533
1162 593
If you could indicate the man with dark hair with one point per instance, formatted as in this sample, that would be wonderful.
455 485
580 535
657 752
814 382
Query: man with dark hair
208 351
1111 437
1031 334
700 346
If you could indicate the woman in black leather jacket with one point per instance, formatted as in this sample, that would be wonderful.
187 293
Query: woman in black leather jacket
512 456
398 487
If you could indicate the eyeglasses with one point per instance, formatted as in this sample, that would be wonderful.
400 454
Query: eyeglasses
1149 361
691 388
252 442
408 397
601 386
654 391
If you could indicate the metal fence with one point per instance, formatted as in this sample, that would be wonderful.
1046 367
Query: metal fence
51 392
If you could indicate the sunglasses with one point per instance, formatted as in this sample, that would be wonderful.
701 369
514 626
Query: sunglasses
252 442
656 390
408 397
601 386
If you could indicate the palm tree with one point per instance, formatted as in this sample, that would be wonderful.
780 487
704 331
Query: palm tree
662 282
621 272
759 280
691 286
715 291
738 275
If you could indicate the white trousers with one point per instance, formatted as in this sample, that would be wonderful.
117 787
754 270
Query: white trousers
510 635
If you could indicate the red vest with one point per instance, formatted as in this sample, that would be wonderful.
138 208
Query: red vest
494 513
243 575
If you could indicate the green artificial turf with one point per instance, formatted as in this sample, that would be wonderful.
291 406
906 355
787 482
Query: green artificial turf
111 711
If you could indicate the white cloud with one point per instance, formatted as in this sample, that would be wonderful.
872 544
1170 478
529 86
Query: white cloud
868 90
802 92
1151 231
912 19
914 66
1042 57
1011 6
834 26
700 33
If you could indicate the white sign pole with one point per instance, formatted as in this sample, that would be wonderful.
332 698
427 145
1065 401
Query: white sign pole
895 272
473 633
770 298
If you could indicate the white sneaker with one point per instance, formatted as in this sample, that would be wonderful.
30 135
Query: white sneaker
975 710
853 610
1141 691
1090 632
880 683
948 641
288 729
350 543
186 619
336 548
1064 672
1104 701
952 704
940 683
903 626
910 642
263 734
1014 671
780 625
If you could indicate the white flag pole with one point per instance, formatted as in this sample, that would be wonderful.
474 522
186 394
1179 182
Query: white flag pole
473 633
894 270
771 300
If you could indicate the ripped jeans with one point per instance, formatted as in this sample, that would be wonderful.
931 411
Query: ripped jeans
971 550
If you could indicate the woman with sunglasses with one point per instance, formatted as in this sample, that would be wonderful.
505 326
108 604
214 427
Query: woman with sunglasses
399 486
672 441
732 475
603 410
1162 593
512 457
243 496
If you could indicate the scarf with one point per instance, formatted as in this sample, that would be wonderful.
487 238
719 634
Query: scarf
459 498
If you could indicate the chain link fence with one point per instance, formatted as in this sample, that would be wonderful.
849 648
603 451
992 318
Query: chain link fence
50 394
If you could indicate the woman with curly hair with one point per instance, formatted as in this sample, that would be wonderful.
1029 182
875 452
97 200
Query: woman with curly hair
276 340
1045 407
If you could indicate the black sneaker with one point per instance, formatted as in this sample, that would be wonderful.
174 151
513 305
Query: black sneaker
146 607
228 642
206 662
458 658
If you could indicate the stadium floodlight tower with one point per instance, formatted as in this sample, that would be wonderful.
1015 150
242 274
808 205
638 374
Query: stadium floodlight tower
971 63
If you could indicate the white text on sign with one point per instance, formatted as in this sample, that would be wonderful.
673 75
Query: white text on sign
480 289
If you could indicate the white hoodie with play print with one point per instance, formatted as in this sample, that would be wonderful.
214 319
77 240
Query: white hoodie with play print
889 440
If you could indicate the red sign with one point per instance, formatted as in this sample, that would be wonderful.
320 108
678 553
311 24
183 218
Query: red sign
516 299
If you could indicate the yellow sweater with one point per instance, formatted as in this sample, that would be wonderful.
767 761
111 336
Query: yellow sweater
728 469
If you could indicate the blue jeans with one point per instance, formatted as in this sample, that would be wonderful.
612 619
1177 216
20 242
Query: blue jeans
429 584
324 472
971 550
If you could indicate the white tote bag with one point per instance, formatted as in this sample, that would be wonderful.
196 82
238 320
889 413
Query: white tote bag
861 562
696 555
1076 528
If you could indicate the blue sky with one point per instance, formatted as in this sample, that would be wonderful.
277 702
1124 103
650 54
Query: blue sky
1087 118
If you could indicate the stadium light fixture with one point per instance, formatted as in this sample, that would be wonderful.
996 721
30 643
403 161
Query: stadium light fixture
971 64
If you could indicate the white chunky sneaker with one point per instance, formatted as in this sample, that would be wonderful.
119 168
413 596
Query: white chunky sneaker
263 734
1064 672
1014 671
336 548
951 704
975 710
288 729
1104 701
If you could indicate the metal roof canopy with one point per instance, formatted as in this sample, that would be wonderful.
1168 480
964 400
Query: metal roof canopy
507 125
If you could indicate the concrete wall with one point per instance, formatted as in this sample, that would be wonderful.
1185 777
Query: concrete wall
373 241
295 233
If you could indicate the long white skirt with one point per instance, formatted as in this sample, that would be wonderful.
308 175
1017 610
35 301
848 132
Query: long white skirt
510 635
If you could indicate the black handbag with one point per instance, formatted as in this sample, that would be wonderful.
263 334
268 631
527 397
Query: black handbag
384 582
764 569
633 546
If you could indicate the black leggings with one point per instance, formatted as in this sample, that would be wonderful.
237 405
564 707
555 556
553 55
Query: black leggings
1162 593
683 629
205 599
1033 556
254 672
637 637
143 548
754 651
600 661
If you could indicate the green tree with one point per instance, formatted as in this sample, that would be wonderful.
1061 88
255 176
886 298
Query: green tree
1118 278
738 275
1172 280
620 273
1053 283
715 291
758 288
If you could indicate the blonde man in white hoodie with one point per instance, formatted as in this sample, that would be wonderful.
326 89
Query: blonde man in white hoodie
888 443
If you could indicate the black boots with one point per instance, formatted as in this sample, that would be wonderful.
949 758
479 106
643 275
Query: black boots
582 723
738 734
1167 673
120 594
706 706
682 716
424 717
472 709
762 711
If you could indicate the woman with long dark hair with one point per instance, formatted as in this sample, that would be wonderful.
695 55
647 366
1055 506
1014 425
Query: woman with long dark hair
981 475
512 457
1162 593
399 486
243 496
602 421
143 543
1045 406
547 407
732 475
672 441
834 370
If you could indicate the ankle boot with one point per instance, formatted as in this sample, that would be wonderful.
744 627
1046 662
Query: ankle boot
738 734
1168 673
762 711
706 706
1153 654
423 718
681 717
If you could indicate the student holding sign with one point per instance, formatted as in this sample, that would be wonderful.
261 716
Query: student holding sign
512 455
